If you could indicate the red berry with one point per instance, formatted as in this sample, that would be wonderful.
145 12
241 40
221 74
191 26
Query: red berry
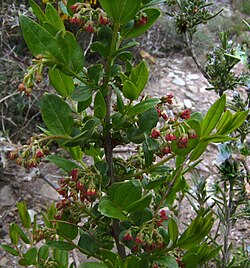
39 153
185 114
74 174
155 133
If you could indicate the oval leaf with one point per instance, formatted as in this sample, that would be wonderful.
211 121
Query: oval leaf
56 114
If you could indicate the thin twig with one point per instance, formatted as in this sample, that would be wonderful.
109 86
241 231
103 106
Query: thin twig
189 43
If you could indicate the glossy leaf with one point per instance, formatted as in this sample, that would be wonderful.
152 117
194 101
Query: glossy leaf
143 106
131 261
61 82
216 138
88 243
213 116
139 77
121 11
140 204
82 93
10 249
24 215
131 30
21 234
125 193
108 209
148 119
37 11
31 255
14 237
62 162
56 114
67 230
190 260
130 90
234 122
54 18
38 40
76 152
99 106
84 136
198 150
43 252
169 261
173 230
60 245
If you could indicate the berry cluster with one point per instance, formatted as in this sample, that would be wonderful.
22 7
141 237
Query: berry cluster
173 129
78 188
31 154
44 233
87 17
148 238
33 76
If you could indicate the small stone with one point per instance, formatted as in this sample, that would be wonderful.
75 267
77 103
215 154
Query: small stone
192 77
187 104
7 197
179 82
171 74
192 96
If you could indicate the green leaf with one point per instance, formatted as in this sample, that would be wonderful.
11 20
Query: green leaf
139 76
83 105
85 135
121 11
148 119
139 217
234 122
62 162
76 153
224 121
24 215
213 116
169 262
143 106
216 138
60 245
38 40
14 237
30 255
99 106
125 193
21 233
140 204
54 18
196 231
131 31
43 252
61 82
108 209
148 154
190 260
67 230
131 261
88 243
173 230
37 11
198 150
111 257
10 249
129 90
82 93
93 265
56 114
136 135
